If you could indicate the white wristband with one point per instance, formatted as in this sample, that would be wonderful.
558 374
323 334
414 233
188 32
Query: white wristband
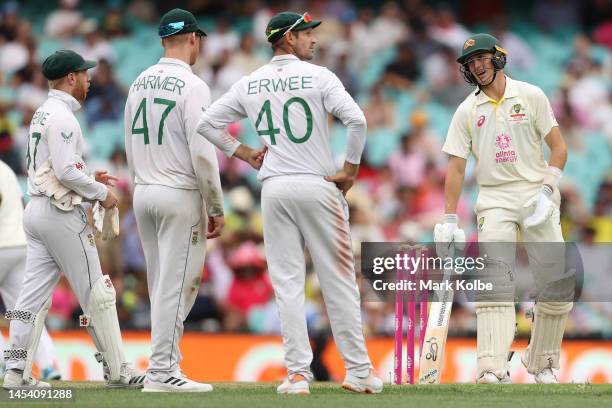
552 177
450 219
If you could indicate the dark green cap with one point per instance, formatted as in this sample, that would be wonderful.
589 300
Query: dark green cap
178 21
62 62
281 22
479 43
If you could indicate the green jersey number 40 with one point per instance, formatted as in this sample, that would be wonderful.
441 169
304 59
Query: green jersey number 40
271 131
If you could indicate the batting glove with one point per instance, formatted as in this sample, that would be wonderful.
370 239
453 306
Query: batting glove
544 208
448 236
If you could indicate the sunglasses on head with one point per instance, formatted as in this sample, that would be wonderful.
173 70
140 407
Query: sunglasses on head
304 18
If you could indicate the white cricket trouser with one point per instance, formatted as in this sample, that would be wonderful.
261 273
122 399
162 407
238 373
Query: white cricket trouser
57 241
12 270
500 219
306 210
172 231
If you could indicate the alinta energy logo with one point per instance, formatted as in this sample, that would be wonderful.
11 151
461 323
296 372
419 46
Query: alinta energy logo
505 153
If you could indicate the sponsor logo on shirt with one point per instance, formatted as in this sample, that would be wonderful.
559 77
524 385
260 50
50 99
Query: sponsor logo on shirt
481 121
481 221
505 154
67 137
518 113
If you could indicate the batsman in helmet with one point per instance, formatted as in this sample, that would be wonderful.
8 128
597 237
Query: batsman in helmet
504 124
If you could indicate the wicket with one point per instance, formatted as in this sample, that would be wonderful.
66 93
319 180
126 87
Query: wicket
413 297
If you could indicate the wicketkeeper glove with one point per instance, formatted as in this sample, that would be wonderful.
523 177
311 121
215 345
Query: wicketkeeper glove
106 221
448 236
544 208
59 195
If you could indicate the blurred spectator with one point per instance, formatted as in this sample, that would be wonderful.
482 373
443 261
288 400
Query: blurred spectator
552 15
94 47
422 44
346 75
63 22
143 10
14 54
595 12
520 56
408 164
250 286
404 70
245 59
112 23
442 72
220 40
8 152
389 28
63 307
105 98
601 221
426 139
380 110
446 30
8 23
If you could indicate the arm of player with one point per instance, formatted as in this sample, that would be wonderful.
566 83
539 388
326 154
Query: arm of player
448 235
127 117
203 157
215 118
547 127
62 136
339 103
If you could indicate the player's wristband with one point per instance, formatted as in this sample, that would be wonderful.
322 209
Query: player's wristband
552 177
450 219
547 190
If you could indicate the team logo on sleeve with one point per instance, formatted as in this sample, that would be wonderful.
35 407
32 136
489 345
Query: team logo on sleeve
505 154
481 221
67 137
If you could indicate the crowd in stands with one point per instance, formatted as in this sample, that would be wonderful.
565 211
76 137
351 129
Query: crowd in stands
397 59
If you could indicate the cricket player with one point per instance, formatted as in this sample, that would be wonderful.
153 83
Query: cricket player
287 101
503 124
177 190
58 236
12 267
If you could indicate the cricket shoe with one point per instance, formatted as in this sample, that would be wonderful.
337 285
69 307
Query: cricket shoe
369 385
13 379
546 376
50 373
128 377
294 384
490 378
177 382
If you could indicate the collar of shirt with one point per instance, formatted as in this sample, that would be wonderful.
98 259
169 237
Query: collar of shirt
66 98
509 92
284 57
175 61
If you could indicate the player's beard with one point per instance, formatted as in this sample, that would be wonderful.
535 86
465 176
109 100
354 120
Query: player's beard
81 89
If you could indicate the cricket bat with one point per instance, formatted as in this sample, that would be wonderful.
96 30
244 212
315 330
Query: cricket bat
432 351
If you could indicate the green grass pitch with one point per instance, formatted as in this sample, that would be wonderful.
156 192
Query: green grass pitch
255 395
